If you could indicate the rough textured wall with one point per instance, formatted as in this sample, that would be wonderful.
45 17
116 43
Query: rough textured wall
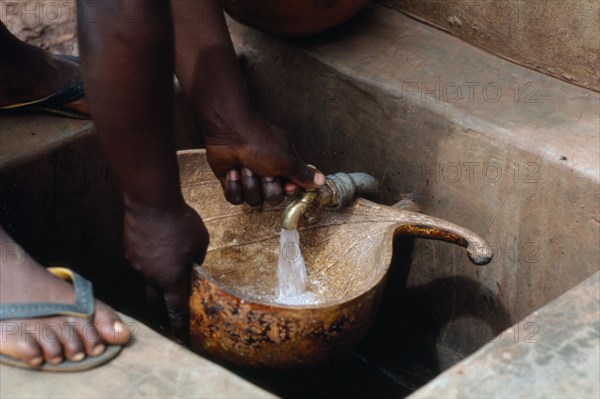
558 37
48 24
344 100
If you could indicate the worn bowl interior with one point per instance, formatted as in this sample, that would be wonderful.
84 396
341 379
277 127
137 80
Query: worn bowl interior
346 253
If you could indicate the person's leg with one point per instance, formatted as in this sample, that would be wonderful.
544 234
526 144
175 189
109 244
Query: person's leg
28 73
49 339
206 64
238 138
127 54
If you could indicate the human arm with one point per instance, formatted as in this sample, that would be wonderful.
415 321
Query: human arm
238 139
127 64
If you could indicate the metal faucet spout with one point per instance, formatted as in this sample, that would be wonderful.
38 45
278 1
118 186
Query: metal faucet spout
295 210
337 193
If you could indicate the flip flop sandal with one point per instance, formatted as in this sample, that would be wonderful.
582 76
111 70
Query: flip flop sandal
54 104
83 308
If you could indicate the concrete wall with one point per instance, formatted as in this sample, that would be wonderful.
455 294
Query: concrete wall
558 37
517 171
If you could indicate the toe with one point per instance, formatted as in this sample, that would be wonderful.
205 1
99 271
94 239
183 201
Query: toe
71 343
50 344
112 330
18 344
31 353
86 332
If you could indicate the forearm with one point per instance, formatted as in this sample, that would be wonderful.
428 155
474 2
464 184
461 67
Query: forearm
207 66
127 68
247 154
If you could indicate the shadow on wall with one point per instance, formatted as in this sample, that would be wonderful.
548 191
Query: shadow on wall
412 321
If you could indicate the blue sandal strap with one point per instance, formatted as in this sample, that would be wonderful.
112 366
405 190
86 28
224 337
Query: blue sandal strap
83 306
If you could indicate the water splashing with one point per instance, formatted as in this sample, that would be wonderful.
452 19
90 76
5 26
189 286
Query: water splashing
291 271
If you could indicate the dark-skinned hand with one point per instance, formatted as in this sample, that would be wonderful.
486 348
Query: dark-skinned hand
258 163
162 246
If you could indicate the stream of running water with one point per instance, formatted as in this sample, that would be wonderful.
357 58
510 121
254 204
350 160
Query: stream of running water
291 271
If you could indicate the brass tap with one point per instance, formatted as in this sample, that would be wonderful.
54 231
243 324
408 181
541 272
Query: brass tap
339 190
295 210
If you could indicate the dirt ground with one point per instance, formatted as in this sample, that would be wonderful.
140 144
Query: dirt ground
49 24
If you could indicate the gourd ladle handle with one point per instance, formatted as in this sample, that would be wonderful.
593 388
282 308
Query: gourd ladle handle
423 226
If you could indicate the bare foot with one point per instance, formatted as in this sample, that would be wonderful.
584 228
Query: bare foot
49 339
28 73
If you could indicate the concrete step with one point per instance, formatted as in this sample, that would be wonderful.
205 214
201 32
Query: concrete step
24 138
152 366
559 38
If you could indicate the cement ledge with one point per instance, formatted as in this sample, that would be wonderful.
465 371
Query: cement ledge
414 64
24 137
559 356
512 30
153 366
